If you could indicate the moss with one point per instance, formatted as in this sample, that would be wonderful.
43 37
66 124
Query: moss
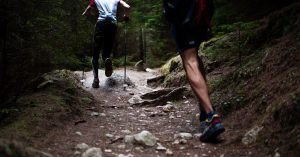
174 62
86 100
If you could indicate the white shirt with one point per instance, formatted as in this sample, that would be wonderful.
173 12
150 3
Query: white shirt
107 8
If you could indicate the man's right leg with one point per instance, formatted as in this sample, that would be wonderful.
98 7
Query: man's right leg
110 33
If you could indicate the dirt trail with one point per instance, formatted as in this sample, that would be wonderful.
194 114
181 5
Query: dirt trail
116 115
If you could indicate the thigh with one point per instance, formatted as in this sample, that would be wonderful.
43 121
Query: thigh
99 34
109 35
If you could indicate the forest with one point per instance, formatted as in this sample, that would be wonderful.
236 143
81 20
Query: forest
47 105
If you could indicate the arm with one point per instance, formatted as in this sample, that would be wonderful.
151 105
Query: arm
126 8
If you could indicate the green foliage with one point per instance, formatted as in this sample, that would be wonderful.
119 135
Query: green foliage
233 103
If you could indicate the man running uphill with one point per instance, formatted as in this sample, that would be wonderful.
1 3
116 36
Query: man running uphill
190 22
105 32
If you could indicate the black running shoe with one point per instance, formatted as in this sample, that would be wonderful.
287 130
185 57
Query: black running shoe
95 83
213 130
108 67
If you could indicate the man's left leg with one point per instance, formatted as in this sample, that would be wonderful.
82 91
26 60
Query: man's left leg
198 84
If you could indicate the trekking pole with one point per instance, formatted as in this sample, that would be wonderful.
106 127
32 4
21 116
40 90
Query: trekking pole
125 52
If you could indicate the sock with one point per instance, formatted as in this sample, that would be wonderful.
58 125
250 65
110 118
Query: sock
210 115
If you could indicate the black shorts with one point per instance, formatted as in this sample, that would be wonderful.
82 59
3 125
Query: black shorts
188 36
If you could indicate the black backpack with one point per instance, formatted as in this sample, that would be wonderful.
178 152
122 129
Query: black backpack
181 12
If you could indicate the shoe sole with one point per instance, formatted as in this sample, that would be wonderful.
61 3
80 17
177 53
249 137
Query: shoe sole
108 68
214 133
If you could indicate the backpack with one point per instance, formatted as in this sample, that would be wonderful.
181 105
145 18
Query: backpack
181 12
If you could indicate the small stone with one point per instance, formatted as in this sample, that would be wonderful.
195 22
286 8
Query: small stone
169 152
76 152
183 135
176 142
186 102
143 115
182 148
145 138
129 140
178 116
135 99
138 148
160 147
82 146
95 114
102 114
182 141
130 108
277 154
131 93
127 132
251 135
122 155
222 155
107 150
92 152
168 108
109 135
197 136
78 133
121 146
203 155
171 117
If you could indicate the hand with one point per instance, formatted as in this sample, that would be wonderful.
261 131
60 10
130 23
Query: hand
126 18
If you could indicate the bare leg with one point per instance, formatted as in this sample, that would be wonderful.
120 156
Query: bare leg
195 77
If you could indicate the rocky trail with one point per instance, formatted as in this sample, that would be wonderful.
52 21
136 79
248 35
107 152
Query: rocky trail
118 128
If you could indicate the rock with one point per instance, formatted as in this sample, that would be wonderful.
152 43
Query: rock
76 152
127 132
78 133
176 142
277 154
169 152
160 147
107 150
109 135
186 136
129 140
197 136
143 115
95 114
168 108
92 152
121 146
145 138
102 114
251 136
182 141
82 146
122 155
135 100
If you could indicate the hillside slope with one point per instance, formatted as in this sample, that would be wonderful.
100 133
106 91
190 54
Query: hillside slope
254 80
